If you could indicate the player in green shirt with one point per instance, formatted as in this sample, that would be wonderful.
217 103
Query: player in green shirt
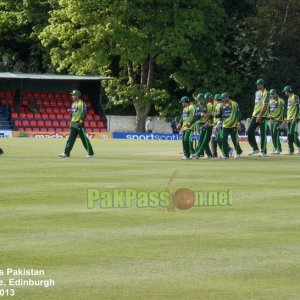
204 119
259 118
292 119
79 113
276 116
229 116
187 126
216 137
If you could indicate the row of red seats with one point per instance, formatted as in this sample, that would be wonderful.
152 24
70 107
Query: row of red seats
49 123
58 130
42 95
52 116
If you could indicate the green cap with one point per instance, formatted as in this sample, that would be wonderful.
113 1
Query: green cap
76 92
287 88
208 96
200 96
224 95
273 92
185 99
217 97
260 81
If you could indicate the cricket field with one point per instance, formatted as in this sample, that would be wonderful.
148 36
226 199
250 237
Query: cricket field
102 228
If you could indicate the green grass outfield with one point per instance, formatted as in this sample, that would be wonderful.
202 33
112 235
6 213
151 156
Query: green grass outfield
249 250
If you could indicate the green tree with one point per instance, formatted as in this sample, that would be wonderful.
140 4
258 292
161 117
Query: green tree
20 24
179 39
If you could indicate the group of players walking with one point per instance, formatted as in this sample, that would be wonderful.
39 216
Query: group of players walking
214 118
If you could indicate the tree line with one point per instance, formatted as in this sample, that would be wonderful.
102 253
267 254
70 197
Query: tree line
156 50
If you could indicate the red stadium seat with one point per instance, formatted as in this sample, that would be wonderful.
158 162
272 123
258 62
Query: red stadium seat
60 103
37 116
48 123
22 115
25 123
29 115
45 116
96 117
18 123
14 115
67 117
100 124
49 110
93 124
36 94
63 110
63 124
56 110
29 94
43 129
40 123
59 116
44 95
50 129
55 124
33 123
52 116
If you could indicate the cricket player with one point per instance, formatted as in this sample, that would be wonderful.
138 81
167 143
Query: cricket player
259 118
216 137
292 119
204 118
276 116
79 113
187 126
230 117
1 151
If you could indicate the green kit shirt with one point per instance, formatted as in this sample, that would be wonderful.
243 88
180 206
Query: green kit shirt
229 113
277 109
187 117
292 107
207 108
260 99
79 112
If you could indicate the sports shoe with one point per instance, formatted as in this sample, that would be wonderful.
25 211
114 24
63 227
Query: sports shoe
90 155
253 152
263 154
230 152
194 156
238 155
223 157
290 153
63 155
298 152
185 158
276 152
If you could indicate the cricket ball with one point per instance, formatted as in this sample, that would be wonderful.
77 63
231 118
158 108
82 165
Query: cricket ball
184 199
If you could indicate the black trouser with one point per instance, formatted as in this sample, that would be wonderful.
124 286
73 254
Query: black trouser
72 138
292 132
233 132
187 142
275 133
263 134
